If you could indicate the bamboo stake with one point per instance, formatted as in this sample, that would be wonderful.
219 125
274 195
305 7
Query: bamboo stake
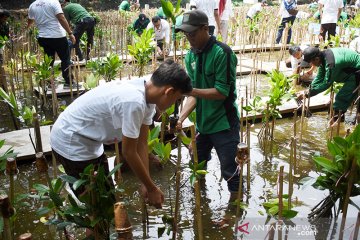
291 166
118 177
249 157
11 170
353 173
37 131
280 193
197 186
338 123
6 211
177 186
53 160
55 105
241 120
356 231
294 125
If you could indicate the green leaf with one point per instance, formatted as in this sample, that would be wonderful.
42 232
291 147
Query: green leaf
192 179
78 183
326 163
247 108
185 140
41 188
43 211
56 199
274 210
201 165
202 172
68 178
333 148
341 142
1 224
61 168
72 201
289 213
116 168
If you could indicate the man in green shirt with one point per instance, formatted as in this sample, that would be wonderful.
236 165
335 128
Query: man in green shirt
211 66
124 6
82 22
340 65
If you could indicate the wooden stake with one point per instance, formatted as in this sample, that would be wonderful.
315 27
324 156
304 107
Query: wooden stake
6 211
280 193
37 131
290 191
249 157
177 187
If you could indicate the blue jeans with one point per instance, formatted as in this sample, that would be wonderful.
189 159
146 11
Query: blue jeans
225 143
290 21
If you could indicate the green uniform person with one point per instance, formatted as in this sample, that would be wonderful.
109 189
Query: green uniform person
340 65
124 6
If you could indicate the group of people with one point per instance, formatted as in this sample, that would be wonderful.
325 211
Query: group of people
52 18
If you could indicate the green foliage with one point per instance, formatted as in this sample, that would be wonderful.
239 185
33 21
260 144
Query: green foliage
170 11
192 117
142 48
3 40
153 138
163 151
272 208
254 107
335 171
355 22
92 81
107 67
96 202
22 112
8 153
280 91
336 88
197 171
43 70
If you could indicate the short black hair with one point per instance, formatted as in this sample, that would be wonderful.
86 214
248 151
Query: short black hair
294 49
173 74
155 19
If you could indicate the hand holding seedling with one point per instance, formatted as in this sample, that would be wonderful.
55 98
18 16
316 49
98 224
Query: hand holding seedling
154 196
301 95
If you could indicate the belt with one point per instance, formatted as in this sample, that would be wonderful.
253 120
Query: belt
85 19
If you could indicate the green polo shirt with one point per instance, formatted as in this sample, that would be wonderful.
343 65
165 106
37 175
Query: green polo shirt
75 12
124 6
214 67
335 70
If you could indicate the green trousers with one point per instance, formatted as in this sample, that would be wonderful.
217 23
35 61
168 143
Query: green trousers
345 96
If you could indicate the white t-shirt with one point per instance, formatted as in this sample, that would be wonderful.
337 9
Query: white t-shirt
44 13
109 111
253 10
355 44
163 32
228 11
283 12
208 7
330 10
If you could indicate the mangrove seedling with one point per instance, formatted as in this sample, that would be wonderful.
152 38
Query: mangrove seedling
255 107
335 173
3 40
92 81
153 138
142 49
272 208
24 113
168 222
163 151
197 172
107 67
9 153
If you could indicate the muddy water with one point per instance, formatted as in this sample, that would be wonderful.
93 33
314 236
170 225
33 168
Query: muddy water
216 209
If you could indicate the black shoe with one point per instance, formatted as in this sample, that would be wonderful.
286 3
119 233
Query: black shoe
74 85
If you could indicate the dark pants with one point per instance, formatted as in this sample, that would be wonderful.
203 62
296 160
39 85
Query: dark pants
85 25
74 168
225 143
211 30
329 28
284 21
160 44
61 47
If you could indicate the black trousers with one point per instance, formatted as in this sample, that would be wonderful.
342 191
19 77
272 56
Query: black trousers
59 46
329 28
85 25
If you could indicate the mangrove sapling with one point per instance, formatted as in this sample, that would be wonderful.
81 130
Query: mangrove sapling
107 67
9 153
22 112
142 49
335 174
91 81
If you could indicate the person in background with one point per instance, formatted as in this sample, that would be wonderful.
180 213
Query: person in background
226 13
124 6
211 66
355 44
330 11
141 23
288 11
211 9
82 22
120 110
160 13
335 65
52 25
162 34
296 58
255 9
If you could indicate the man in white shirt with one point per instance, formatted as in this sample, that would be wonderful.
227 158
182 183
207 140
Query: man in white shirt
51 22
118 110
211 9
162 34
355 44
288 11
255 9
330 11
226 13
